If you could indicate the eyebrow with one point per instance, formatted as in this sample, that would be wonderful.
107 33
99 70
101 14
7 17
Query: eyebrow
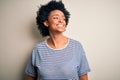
58 15
55 15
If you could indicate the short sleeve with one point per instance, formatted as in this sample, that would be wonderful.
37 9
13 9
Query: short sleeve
84 66
31 69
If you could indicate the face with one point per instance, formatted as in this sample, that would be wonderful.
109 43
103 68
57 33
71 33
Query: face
56 21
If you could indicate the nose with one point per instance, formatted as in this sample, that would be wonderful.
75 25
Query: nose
60 20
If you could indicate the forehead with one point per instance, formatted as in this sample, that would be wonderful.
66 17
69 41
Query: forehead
56 13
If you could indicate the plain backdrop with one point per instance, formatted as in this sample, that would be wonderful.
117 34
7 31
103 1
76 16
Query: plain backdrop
95 23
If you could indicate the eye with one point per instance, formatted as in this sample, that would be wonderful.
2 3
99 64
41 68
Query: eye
55 17
64 18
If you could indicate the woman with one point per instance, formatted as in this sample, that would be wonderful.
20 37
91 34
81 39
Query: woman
58 57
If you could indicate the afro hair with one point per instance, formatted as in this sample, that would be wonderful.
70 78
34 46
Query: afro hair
44 11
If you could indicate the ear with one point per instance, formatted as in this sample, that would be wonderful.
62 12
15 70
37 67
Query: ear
45 23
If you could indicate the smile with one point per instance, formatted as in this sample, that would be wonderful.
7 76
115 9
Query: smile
60 25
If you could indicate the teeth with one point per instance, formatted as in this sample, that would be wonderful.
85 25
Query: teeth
60 25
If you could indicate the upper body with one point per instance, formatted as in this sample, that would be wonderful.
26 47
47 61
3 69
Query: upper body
66 63
58 57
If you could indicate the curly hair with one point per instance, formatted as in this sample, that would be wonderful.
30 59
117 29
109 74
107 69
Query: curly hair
44 11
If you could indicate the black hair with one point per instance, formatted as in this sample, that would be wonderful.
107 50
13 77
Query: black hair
44 11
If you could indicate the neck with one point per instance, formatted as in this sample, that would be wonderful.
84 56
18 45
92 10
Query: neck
57 41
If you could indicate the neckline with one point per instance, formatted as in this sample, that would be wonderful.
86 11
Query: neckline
59 48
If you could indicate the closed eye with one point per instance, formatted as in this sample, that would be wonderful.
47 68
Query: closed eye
55 17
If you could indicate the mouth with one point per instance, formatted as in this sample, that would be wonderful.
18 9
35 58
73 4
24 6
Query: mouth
60 25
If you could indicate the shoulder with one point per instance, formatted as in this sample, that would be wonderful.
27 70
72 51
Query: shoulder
75 42
77 45
38 46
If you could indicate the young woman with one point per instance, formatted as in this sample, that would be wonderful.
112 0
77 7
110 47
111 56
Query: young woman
58 57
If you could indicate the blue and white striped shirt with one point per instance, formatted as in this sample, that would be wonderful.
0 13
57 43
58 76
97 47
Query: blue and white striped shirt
67 63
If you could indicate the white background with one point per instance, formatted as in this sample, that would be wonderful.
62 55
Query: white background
95 23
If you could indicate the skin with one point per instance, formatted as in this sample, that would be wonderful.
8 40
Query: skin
83 77
57 25
30 78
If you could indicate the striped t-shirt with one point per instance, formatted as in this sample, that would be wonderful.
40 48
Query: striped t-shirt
67 63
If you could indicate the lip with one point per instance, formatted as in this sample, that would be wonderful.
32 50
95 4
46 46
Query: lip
60 25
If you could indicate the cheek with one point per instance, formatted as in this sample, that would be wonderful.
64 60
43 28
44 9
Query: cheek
65 22
53 22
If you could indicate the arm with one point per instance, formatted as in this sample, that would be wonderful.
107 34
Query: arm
83 77
30 78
